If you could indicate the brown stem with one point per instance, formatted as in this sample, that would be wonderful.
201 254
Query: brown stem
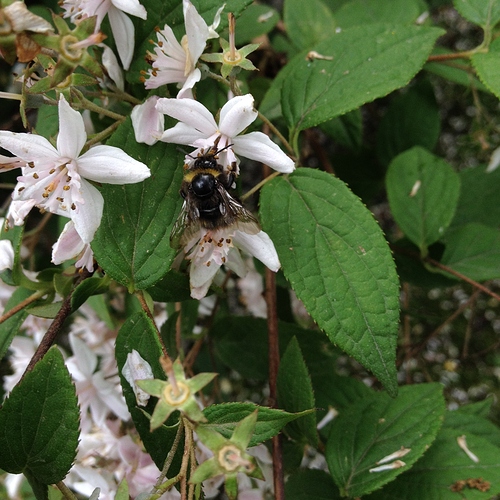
448 320
56 325
447 57
149 314
22 305
67 493
435 263
274 359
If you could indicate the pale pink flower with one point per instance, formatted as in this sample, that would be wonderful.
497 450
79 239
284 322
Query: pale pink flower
198 128
175 62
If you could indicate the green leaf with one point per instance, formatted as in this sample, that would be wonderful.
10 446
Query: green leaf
462 75
486 66
443 466
295 394
473 250
91 286
346 130
132 243
468 421
338 262
423 192
479 202
10 327
48 311
311 483
173 287
482 12
223 419
39 422
256 20
358 12
375 428
139 333
366 62
307 23
411 120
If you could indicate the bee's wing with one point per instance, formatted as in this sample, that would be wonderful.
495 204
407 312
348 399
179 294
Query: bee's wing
239 216
185 227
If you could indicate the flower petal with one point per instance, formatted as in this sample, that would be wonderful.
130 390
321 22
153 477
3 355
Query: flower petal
6 255
190 112
88 217
68 246
200 275
260 246
29 147
196 31
147 121
182 134
124 34
110 63
132 7
18 211
111 165
257 146
72 136
237 114
186 90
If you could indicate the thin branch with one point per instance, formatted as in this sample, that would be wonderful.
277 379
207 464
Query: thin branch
56 325
274 358
67 493
25 303
142 300
448 57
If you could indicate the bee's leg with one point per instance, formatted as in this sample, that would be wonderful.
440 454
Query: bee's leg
183 193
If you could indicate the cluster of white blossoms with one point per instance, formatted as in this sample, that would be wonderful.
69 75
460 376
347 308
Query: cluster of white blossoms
175 62
56 180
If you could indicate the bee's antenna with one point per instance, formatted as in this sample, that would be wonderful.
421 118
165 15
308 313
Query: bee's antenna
185 152
226 147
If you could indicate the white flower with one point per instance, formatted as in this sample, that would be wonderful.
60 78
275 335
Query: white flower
54 179
209 250
198 128
71 246
137 368
175 62
121 25
94 390
147 121
6 255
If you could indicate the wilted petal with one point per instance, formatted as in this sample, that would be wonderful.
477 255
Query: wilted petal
236 115
6 255
147 121
124 33
257 146
260 246
10 162
72 136
88 216
494 161
21 19
190 112
137 368
211 29
18 211
111 165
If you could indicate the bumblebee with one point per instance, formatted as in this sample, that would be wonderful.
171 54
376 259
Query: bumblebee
207 203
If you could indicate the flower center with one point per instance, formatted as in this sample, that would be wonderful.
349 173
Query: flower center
230 459
176 397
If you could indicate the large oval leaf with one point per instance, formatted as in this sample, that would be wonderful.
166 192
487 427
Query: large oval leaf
132 243
376 428
338 262
39 422
358 65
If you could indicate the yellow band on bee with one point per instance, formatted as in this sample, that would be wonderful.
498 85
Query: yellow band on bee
190 174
